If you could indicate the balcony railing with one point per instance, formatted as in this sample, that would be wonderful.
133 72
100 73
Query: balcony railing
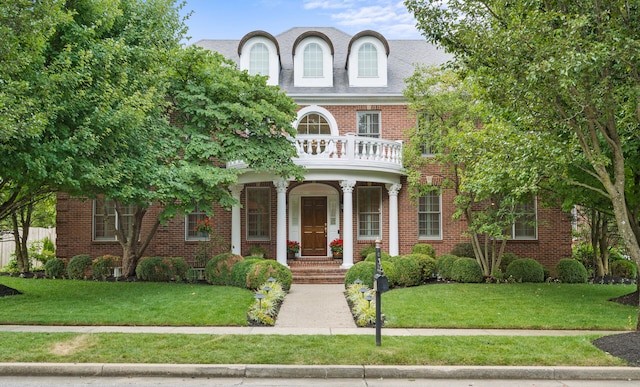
350 151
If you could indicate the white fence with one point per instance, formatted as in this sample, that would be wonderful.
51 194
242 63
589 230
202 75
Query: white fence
8 246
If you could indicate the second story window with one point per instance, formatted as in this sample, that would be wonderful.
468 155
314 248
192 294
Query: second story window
369 124
367 61
313 60
259 59
314 123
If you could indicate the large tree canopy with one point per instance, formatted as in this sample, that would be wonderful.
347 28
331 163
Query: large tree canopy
565 67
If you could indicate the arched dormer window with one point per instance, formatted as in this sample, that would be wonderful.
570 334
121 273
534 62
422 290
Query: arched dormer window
259 59
367 60
260 54
313 60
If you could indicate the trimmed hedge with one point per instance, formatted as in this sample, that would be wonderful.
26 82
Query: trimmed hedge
103 266
78 266
364 271
623 268
371 257
367 250
161 269
423 248
506 260
259 272
218 269
464 249
525 270
54 268
427 265
409 270
466 270
444 264
571 271
389 269
240 270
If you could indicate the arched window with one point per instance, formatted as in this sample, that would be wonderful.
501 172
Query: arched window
314 123
367 61
313 60
259 59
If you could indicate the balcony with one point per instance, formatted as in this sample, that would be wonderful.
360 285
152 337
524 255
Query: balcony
348 152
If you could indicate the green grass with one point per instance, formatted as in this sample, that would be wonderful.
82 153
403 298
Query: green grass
71 302
530 306
314 350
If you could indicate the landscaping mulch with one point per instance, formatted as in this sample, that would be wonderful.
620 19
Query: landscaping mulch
7 291
626 346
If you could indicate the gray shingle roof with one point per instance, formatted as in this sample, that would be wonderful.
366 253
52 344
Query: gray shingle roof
403 56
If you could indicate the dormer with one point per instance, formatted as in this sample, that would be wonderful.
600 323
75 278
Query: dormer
367 60
260 54
313 60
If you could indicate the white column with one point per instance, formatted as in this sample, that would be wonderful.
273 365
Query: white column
393 189
347 219
236 242
281 238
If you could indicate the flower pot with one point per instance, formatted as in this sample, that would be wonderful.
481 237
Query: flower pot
337 255
291 255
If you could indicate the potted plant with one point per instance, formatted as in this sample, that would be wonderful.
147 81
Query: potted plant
292 249
258 251
336 248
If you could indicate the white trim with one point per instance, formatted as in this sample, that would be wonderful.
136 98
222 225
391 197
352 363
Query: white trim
357 81
440 232
326 80
333 124
274 62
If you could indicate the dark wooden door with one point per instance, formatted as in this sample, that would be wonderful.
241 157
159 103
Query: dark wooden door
314 226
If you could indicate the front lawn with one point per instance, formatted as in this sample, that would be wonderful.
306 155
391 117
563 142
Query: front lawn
72 302
520 306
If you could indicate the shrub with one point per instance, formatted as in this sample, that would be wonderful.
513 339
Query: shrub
383 257
364 271
389 269
624 269
507 258
367 250
161 269
78 265
260 271
240 270
409 270
525 270
218 269
464 249
444 264
102 267
423 248
571 271
427 266
263 311
466 270
54 268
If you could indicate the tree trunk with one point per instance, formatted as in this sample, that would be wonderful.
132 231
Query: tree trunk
22 218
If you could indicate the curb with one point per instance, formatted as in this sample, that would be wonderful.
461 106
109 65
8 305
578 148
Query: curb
319 371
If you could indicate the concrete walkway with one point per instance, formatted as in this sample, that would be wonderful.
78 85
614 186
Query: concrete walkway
315 306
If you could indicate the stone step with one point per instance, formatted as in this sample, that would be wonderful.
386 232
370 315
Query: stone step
316 270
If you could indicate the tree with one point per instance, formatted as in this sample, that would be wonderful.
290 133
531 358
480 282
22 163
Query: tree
561 67
490 185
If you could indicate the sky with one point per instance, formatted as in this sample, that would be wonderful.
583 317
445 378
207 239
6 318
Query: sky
232 19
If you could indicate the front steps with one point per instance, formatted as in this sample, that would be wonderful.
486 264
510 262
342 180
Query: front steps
316 270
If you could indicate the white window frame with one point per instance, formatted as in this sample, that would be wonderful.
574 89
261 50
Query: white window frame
259 59
110 207
534 213
368 125
189 226
266 236
427 213
299 79
367 61
274 61
369 235
355 79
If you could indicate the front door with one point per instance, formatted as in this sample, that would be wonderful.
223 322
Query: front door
314 226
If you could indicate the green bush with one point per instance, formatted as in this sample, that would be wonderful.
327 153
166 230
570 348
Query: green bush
444 264
240 270
423 248
466 270
507 258
571 271
427 265
102 267
366 251
78 266
464 249
54 268
389 269
259 272
162 269
383 257
525 270
409 270
623 268
364 271
218 269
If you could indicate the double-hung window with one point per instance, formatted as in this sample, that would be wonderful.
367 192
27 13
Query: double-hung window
369 212
525 226
258 213
368 126
106 219
192 220
430 216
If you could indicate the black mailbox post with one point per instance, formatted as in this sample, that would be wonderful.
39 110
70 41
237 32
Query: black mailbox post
380 285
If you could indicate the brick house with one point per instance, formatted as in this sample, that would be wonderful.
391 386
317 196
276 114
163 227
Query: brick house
351 128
